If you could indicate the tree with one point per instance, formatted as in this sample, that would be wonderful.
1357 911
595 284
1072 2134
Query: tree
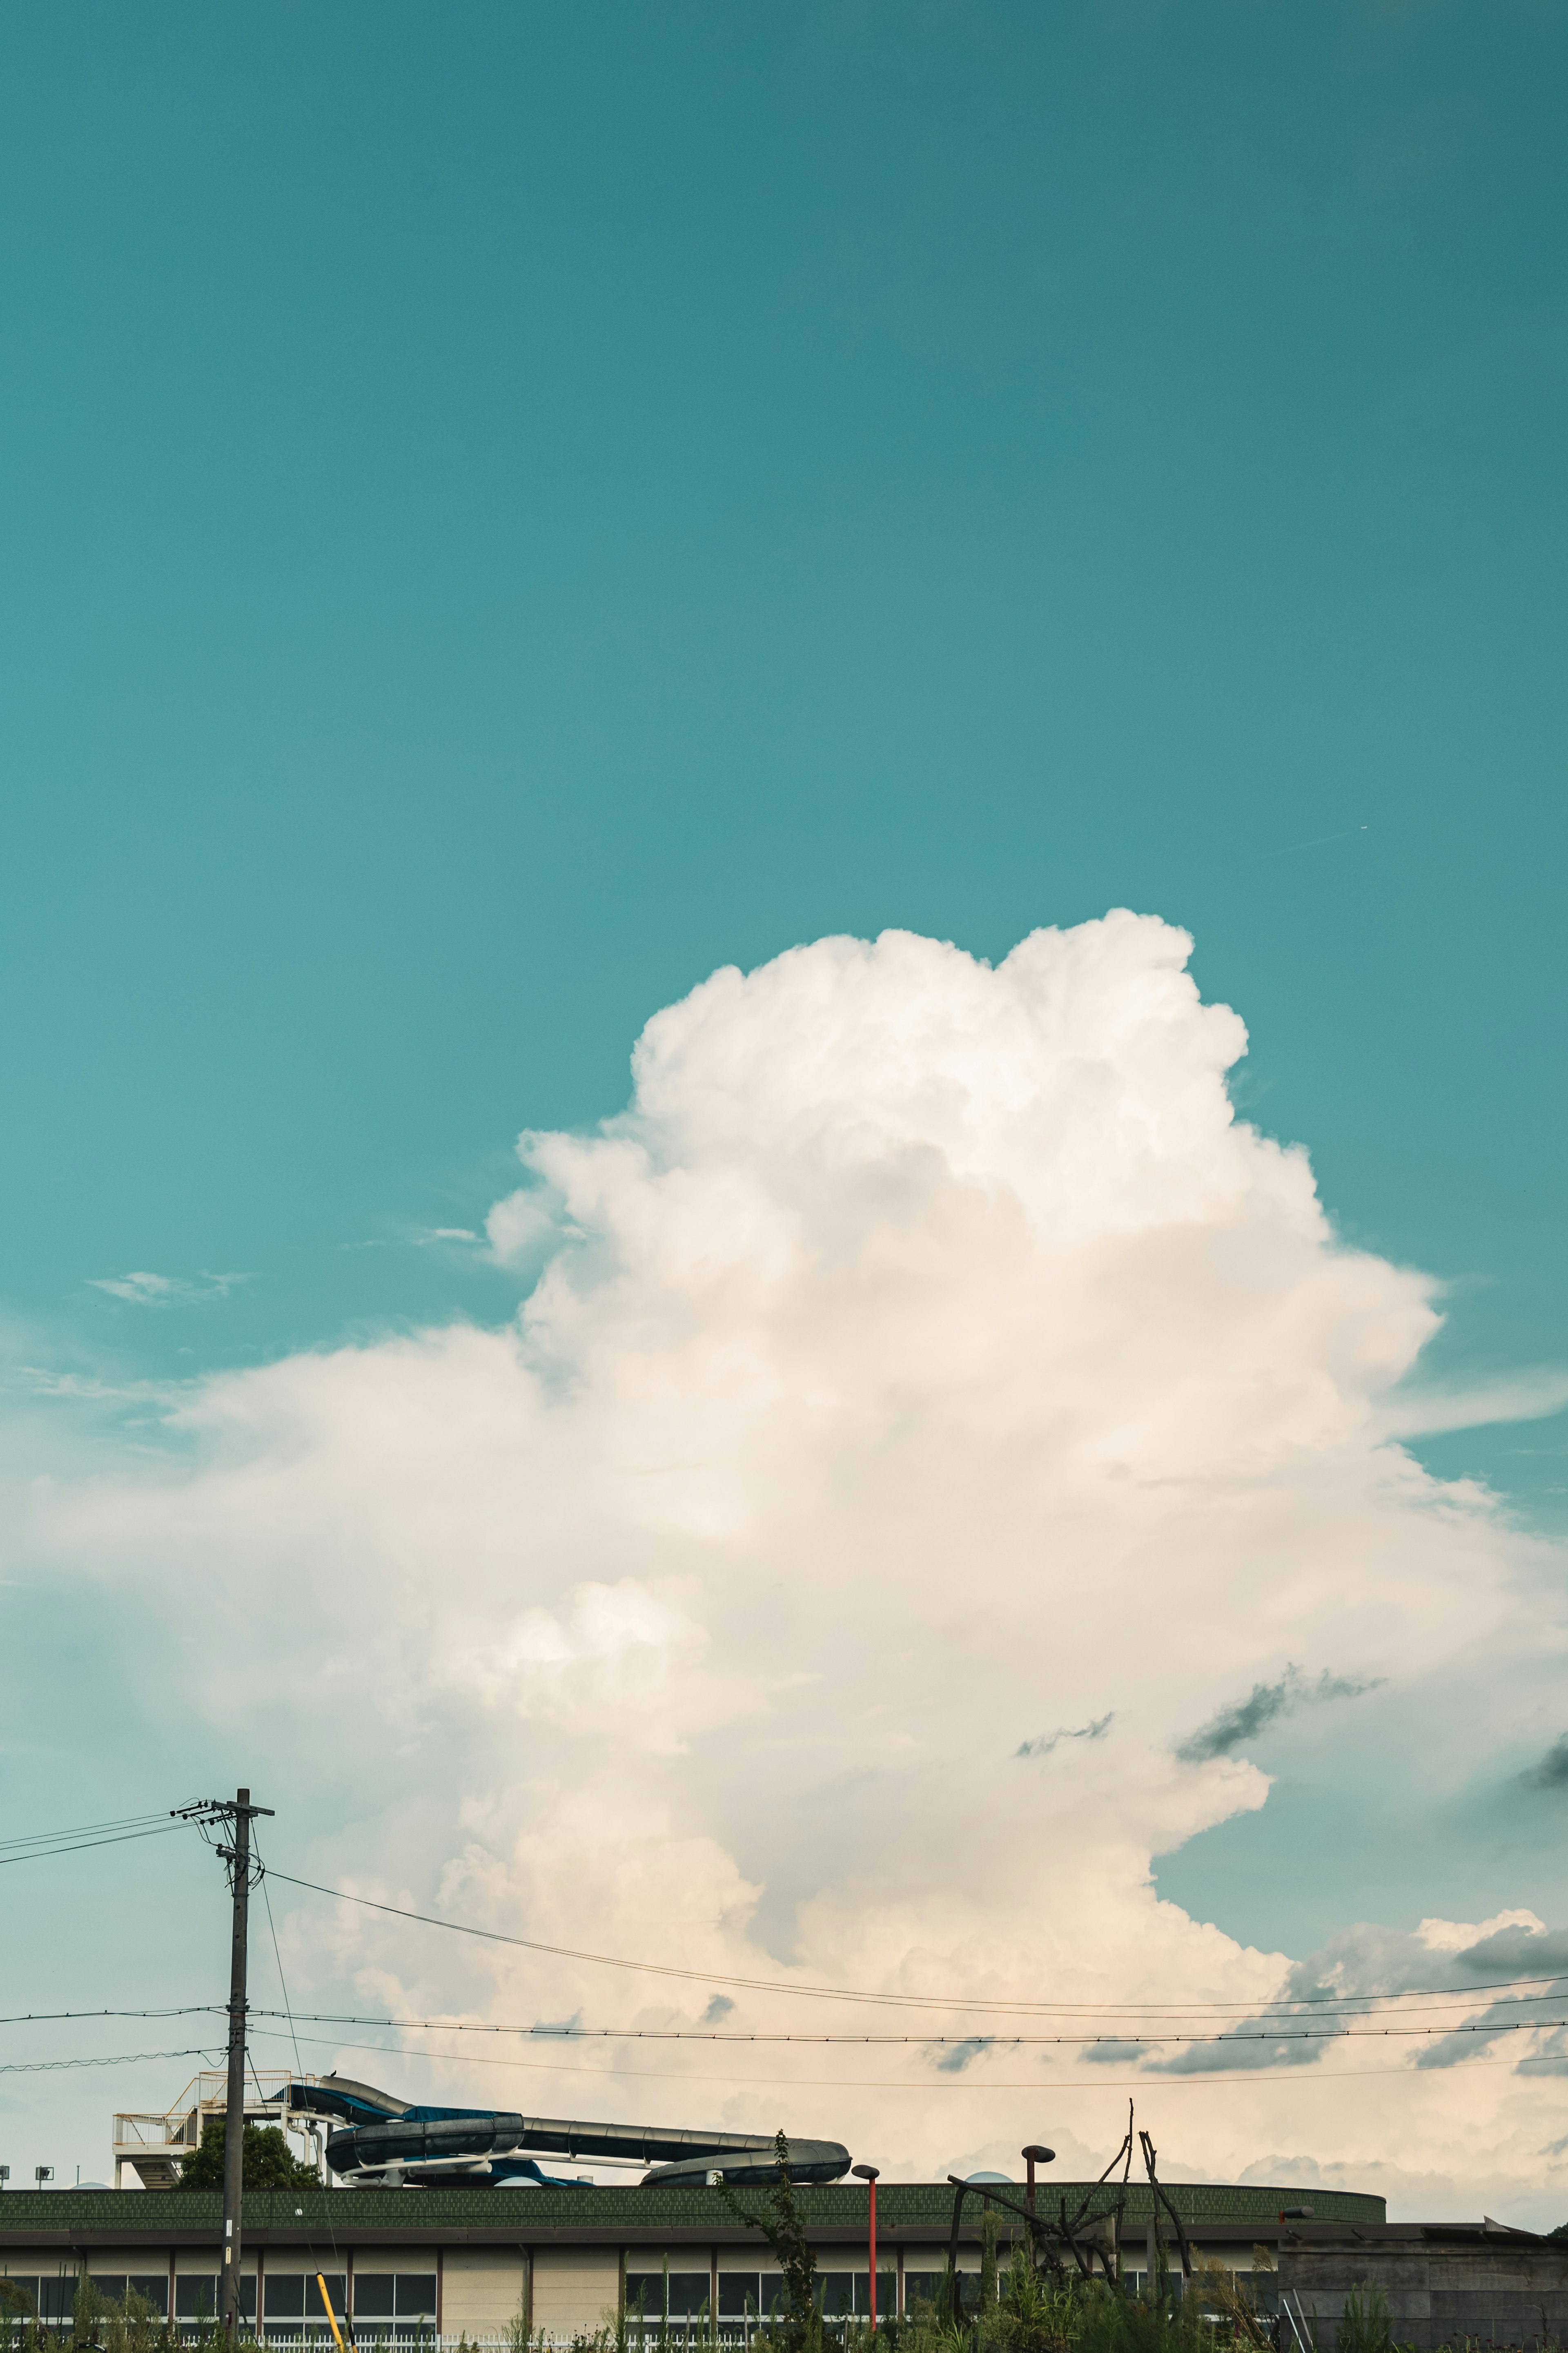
799 2327
269 2163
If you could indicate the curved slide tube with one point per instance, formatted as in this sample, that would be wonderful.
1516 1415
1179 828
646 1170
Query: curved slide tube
383 2139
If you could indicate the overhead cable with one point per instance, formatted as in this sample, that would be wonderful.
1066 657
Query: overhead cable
947 2083
1119 2041
27 1850
117 2059
884 2001
83 1830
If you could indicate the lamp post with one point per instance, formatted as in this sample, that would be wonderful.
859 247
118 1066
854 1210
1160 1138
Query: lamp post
1034 2155
868 2174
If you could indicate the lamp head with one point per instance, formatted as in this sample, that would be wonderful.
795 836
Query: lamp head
867 2172
1038 2156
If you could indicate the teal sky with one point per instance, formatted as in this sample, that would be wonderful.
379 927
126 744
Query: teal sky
508 508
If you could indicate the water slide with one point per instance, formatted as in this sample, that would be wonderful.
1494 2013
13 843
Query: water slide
382 2142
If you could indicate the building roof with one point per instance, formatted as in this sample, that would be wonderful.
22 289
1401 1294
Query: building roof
905 2210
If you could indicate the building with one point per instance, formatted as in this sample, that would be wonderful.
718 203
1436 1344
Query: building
445 2264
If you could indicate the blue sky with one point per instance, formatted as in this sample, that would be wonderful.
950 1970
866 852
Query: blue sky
507 511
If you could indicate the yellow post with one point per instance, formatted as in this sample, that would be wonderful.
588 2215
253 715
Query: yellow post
331 2318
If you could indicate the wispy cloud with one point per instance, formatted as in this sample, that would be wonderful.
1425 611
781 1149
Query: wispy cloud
1244 1719
1527 1395
89 1387
417 1238
141 1289
1045 1741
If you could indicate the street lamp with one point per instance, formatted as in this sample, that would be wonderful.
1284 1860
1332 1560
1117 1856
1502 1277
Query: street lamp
42 2173
868 2174
1034 2155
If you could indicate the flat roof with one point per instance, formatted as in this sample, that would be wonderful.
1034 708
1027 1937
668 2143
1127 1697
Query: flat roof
616 2213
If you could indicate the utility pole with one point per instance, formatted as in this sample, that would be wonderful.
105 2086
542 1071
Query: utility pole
236 1817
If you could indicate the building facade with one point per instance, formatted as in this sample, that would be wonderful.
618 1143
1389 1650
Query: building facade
444 2264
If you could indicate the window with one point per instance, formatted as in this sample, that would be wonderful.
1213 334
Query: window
153 2287
293 2303
196 2296
835 2293
845 2294
928 2287
645 2295
749 2295
403 2298
689 2292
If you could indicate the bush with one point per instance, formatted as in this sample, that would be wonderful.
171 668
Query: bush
269 2162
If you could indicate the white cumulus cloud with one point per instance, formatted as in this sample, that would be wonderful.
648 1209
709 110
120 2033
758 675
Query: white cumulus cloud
928 1355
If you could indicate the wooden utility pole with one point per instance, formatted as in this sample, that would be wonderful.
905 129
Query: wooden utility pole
236 1857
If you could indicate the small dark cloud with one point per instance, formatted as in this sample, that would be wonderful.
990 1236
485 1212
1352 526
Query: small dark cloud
1044 1743
1222 2057
957 2056
1519 1951
1124 2054
719 2007
1551 1771
557 2025
1244 1719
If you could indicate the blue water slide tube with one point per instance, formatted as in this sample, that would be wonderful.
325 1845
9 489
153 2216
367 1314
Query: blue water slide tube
381 2138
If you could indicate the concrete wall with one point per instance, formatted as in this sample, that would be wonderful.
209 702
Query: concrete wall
482 2289
1501 2295
573 2287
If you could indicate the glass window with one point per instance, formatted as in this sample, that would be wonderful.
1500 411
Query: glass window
56 2297
337 2286
413 2295
285 2295
835 2293
195 2295
373 2296
688 2294
153 2287
645 2294
887 2293
738 2295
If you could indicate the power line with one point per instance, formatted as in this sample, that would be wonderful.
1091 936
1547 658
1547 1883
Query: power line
952 2083
78 1846
1119 2039
119 2059
896 2000
50 2017
83 1830
927 2041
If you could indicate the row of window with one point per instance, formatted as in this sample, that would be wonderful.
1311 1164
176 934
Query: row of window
752 2295
402 2297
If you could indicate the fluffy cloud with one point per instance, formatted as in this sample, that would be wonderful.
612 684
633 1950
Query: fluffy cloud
927 1354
